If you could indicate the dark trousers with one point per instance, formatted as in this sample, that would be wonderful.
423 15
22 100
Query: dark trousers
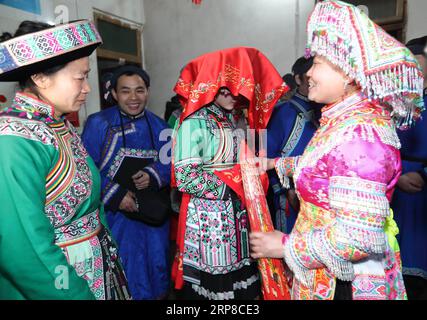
343 290
416 287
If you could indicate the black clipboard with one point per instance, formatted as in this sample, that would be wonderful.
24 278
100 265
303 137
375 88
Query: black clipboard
153 205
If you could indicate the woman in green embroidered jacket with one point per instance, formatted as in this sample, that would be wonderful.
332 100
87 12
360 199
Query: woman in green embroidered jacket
213 259
53 239
217 224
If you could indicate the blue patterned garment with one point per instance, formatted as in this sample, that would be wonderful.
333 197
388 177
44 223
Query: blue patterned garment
143 249
410 209
291 127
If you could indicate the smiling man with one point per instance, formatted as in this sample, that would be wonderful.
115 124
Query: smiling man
127 131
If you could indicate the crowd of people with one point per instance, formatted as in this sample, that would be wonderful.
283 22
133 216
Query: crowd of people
137 206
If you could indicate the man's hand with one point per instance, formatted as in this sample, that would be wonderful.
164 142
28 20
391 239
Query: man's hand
141 180
128 203
411 182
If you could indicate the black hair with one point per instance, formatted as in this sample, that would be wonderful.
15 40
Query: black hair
27 27
417 45
302 65
420 41
5 36
290 81
127 74
171 106
129 70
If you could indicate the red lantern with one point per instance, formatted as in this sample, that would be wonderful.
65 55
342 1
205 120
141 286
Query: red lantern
197 2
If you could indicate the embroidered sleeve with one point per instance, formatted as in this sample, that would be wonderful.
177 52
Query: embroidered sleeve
362 174
160 171
190 150
29 258
285 168
93 137
112 193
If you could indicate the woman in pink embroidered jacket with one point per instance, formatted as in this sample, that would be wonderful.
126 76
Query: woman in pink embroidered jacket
341 246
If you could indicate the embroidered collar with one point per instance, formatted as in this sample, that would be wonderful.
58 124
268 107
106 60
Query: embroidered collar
138 116
306 104
220 112
333 111
300 96
27 106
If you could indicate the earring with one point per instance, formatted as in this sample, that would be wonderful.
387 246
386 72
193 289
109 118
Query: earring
345 85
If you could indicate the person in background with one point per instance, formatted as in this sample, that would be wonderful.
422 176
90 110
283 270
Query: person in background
128 129
410 199
173 111
54 239
343 243
289 79
291 127
172 114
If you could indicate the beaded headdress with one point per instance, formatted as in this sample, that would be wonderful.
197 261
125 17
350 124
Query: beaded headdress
384 68
34 52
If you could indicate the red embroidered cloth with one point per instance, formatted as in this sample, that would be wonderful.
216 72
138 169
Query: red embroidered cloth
244 71
272 271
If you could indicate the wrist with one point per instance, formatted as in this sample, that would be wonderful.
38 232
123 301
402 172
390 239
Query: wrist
284 239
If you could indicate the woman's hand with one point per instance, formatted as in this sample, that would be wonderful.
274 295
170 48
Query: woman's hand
266 244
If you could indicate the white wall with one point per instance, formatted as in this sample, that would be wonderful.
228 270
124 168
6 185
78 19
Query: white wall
417 19
177 31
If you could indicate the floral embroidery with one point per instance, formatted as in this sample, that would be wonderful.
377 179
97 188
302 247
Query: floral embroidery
69 183
134 153
342 217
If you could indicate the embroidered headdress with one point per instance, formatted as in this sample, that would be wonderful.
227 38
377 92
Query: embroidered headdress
244 71
384 68
34 52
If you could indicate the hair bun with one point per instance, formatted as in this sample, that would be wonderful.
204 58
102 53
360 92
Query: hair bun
28 26
5 36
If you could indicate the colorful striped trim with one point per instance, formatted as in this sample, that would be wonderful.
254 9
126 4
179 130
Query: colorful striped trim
79 230
46 44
